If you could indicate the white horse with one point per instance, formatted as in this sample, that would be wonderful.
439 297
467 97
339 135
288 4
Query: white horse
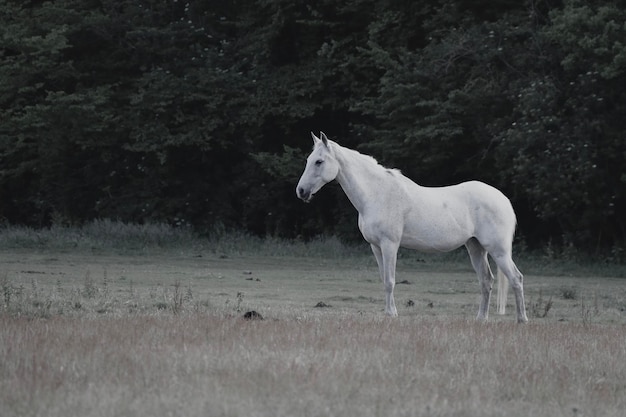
394 211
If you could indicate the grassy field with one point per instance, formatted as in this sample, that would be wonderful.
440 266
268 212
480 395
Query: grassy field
142 327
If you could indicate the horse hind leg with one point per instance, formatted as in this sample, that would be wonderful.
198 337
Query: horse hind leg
478 256
516 280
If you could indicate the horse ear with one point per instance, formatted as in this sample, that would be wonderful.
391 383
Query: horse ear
324 139
315 138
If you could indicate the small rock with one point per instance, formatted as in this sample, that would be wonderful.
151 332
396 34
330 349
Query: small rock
252 315
322 304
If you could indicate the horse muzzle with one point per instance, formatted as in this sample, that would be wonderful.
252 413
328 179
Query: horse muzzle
303 194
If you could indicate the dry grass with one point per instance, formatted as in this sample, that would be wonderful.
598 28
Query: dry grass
337 364
108 335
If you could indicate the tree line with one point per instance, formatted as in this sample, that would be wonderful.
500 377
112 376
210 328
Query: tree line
197 113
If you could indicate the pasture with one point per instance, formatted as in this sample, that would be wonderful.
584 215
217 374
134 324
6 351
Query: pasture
163 333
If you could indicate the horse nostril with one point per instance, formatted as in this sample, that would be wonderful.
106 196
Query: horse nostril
304 195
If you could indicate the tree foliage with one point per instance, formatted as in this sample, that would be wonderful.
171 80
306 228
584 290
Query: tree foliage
198 112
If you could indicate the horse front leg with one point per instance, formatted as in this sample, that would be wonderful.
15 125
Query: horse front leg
478 256
386 257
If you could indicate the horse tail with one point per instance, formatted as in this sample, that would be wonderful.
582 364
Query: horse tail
503 288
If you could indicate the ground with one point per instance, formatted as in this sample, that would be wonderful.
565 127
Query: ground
110 334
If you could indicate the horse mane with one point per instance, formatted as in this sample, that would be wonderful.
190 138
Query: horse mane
369 160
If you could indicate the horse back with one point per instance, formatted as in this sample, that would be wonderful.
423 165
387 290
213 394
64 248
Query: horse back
453 214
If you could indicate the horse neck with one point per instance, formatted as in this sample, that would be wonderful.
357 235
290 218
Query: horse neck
356 175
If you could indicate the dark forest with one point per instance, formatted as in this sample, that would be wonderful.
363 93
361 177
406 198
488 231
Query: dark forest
198 113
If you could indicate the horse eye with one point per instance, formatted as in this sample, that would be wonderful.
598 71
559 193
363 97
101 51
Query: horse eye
319 162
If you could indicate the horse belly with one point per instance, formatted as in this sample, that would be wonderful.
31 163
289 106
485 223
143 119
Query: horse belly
441 230
443 240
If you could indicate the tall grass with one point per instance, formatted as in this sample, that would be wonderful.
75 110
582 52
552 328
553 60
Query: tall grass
115 236
241 243
345 365
97 235
108 236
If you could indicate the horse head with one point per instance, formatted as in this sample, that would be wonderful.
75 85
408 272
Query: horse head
321 168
